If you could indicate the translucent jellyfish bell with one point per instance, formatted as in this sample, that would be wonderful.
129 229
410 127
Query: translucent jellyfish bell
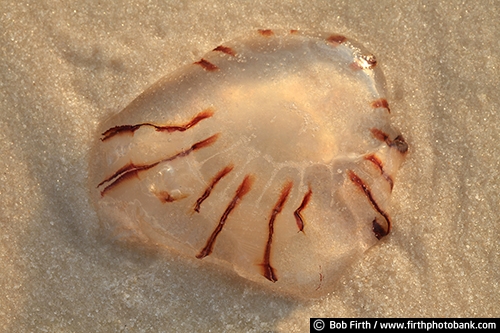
273 155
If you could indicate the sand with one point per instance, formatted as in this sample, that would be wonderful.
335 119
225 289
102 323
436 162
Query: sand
64 67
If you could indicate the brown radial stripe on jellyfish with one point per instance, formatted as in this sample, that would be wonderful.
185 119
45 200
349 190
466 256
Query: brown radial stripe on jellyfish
127 172
131 170
130 129
399 142
380 135
165 196
378 230
267 270
294 31
380 103
336 40
207 65
225 49
298 217
221 174
378 163
243 189
123 129
266 32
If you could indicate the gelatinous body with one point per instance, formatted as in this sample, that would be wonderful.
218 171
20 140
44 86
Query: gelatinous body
272 155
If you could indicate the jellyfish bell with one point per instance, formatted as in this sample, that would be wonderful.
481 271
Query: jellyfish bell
273 155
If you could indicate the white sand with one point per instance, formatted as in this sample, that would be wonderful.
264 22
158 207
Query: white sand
64 67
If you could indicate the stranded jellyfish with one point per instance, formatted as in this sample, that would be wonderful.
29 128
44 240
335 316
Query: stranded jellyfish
273 155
